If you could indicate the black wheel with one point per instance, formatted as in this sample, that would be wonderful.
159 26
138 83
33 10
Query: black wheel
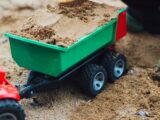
93 79
115 64
11 110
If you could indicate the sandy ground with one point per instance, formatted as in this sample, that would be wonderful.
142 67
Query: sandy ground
141 50
123 100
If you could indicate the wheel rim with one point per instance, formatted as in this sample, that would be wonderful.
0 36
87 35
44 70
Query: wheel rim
119 68
98 81
8 116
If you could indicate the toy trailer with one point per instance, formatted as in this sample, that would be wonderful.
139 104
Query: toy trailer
93 59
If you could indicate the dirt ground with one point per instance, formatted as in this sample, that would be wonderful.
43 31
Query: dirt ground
135 93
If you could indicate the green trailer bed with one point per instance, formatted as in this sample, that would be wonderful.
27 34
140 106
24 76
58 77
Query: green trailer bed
54 60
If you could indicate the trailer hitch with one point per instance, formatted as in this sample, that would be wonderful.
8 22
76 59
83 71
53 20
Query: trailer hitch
30 90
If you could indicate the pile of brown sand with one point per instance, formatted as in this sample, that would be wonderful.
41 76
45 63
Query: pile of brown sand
124 100
62 25
14 14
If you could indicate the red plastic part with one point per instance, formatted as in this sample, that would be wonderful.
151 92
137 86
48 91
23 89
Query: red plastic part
2 75
7 90
121 26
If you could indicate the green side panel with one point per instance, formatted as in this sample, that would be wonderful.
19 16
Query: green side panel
54 60
34 57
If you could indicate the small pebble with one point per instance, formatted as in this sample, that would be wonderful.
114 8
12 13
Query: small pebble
143 113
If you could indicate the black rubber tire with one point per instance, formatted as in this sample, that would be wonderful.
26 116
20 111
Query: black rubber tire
109 61
13 108
87 77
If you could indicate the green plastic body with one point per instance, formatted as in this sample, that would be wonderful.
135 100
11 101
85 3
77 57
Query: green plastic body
54 60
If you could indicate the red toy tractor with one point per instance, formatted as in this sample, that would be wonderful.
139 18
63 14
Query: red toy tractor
9 97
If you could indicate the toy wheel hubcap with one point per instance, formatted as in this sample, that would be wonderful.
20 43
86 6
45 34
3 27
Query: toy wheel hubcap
119 68
8 116
98 81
